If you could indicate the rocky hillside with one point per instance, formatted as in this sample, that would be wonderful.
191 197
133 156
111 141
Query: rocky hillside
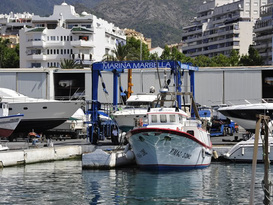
161 20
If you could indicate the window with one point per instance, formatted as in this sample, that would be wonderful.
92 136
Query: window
163 118
191 132
154 119
35 65
84 38
180 118
172 118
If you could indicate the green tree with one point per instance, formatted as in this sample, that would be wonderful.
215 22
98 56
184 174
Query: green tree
220 60
128 51
166 54
9 57
202 61
70 64
234 57
119 53
252 59
154 56
137 49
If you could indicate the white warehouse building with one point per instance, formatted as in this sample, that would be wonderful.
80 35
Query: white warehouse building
67 35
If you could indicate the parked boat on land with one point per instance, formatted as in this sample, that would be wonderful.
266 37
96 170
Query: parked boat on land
136 108
39 114
246 115
8 123
172 139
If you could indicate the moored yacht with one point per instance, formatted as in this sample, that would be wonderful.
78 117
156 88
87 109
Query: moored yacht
39 114
243 151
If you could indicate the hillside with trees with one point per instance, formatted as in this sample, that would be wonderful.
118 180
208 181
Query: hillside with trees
161 20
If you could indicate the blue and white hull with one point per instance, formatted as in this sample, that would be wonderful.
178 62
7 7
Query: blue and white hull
163 148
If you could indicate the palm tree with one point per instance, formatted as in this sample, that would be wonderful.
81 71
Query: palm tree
123 52
69 64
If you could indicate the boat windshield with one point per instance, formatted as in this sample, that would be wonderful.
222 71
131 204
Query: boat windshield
139 104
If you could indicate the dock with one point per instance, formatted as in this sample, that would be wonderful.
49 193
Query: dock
23 152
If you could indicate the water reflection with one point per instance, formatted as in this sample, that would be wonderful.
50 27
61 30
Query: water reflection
64 182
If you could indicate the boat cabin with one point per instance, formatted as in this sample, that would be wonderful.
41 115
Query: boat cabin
141 100
166 116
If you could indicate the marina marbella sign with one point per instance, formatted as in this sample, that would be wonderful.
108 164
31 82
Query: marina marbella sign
121 65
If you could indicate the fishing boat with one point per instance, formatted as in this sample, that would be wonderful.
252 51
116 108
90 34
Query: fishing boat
8 123
136 108
171 139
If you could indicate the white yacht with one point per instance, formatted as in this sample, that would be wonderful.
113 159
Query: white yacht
246 115
243 151
39 114
136 108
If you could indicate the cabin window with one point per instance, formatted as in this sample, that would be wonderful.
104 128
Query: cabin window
191 132
163 118
172 118
180 118
25 108
154 119
44 107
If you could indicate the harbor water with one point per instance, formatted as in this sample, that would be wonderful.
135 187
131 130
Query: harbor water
64 182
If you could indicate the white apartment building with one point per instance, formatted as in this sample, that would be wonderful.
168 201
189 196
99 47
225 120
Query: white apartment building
220 26
11 23
67 35
264 33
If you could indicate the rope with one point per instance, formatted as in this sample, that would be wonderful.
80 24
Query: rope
104 88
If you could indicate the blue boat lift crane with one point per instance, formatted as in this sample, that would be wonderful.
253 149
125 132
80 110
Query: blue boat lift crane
118 67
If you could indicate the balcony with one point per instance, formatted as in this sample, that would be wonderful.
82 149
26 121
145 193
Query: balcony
40 57
54 44
82 43
35 43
